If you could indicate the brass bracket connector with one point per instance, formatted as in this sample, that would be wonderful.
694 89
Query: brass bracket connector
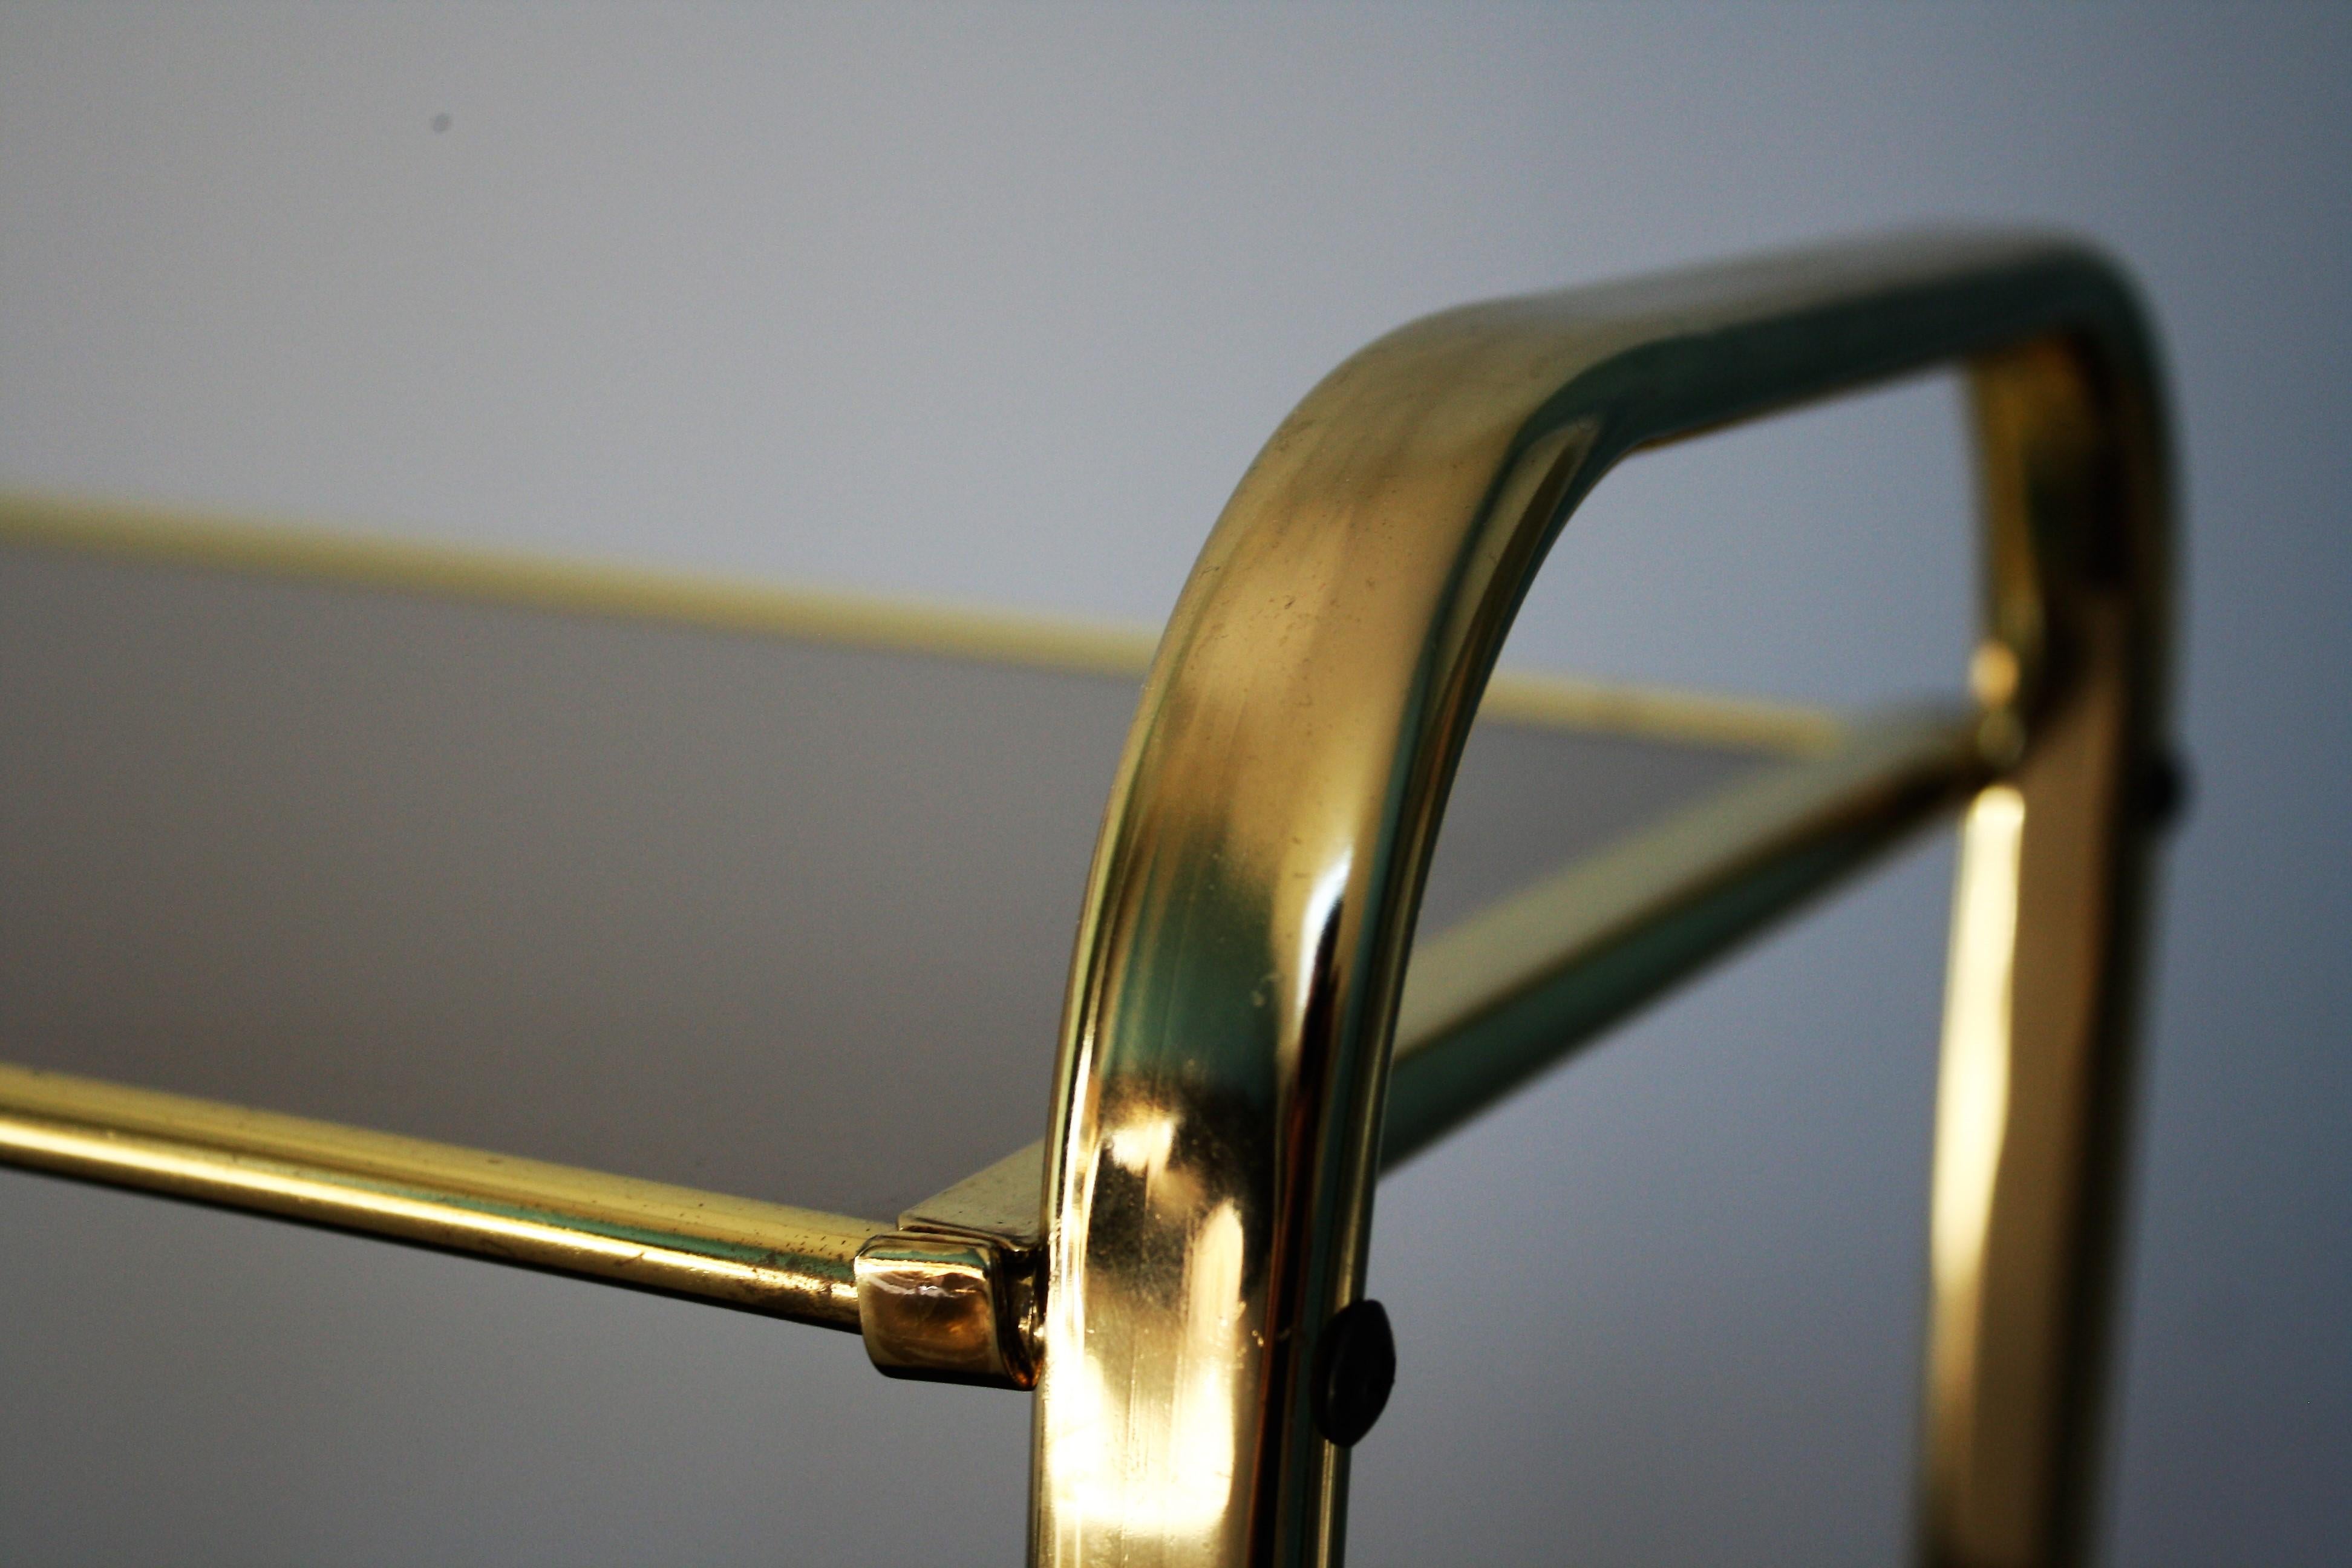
956 1293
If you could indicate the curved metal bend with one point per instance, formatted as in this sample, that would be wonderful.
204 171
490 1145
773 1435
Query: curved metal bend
1253 896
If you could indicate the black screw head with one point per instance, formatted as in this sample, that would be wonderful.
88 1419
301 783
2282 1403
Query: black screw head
1355 1367
2164 789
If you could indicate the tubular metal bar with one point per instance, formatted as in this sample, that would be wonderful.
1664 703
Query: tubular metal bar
1243 945
730 1252
1509 992
519 580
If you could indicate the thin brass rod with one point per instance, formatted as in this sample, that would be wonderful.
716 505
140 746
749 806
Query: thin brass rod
1510 990
521 580
757 1257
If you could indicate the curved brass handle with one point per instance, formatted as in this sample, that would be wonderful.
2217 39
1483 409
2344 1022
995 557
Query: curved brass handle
1252 900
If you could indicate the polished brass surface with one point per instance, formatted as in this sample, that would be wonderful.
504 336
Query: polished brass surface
759 1257
2034 1087
1000 1202
1243 948
953 1294
949 1309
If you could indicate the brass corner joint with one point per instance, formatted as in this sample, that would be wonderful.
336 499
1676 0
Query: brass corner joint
956 1293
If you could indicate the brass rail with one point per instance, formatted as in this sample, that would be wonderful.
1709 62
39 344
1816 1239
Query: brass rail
1507 993
759 1257
515 579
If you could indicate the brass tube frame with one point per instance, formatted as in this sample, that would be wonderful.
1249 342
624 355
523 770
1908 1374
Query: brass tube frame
1241 951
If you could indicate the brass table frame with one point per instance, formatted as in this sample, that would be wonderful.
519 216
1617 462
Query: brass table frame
1242 1049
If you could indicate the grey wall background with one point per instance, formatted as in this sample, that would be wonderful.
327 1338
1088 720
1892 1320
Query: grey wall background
995 305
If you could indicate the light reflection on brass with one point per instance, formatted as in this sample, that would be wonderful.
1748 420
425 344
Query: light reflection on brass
948 1309
1972 1090
1241 951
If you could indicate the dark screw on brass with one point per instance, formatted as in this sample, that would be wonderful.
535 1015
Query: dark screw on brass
1355 1367
2164 789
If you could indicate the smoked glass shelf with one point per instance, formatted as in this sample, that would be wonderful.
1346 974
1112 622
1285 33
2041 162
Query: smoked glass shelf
634 927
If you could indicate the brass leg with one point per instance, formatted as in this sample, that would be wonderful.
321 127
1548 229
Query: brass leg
2032 1102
